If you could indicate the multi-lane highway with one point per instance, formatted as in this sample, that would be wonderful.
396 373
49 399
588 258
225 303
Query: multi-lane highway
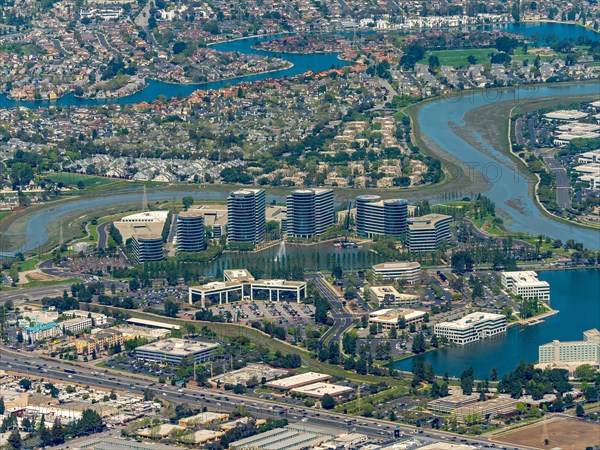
30 364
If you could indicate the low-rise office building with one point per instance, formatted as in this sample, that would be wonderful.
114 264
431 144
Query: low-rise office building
172 351
525 284
389 296
427 233
78 325
319 390
472 327
296 381
571 354
386 319
404 271
463 406
240 288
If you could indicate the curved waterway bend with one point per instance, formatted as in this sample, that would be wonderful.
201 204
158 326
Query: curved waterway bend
506 186
301 63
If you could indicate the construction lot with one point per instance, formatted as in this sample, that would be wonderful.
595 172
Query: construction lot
562 433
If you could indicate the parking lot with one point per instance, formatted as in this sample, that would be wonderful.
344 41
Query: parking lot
157 296
287 314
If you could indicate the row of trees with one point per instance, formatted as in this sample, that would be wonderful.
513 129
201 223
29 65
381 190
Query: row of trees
90 422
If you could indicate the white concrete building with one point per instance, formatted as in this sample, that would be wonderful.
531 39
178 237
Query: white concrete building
239 288
172 351
78 325
389 296
386 319
319 390
526 285
295 381
572 353
97 318
407 271
472 327
146 217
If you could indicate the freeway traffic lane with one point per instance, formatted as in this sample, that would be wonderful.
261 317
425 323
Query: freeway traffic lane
27 364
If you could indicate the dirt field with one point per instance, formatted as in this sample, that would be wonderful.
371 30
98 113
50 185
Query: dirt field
35 275
565 433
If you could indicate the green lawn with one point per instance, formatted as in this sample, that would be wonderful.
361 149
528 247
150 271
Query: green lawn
72 179
458 58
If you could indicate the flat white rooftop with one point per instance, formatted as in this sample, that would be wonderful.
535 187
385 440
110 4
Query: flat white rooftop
320 389
469 320
147 216
401 265
566 114
302 379
525 277
153 323
175 346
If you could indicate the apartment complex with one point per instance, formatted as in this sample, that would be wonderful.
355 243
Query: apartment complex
427 233
404 271
41 331
572 353
77 325
389 296
147 247
377 217
172 351
240 285
190 231
472 327
309 212
525 284
246 216
98 342
97 318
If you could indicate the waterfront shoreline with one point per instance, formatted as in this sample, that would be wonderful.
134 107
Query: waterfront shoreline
413 111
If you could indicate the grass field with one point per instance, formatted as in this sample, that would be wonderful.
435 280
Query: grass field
72 179
458 58
563 433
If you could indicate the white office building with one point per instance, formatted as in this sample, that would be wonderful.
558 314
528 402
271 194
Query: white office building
472 327
406 271
389 296
526 285
172 351
572 353
386 319
426 233
240 285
